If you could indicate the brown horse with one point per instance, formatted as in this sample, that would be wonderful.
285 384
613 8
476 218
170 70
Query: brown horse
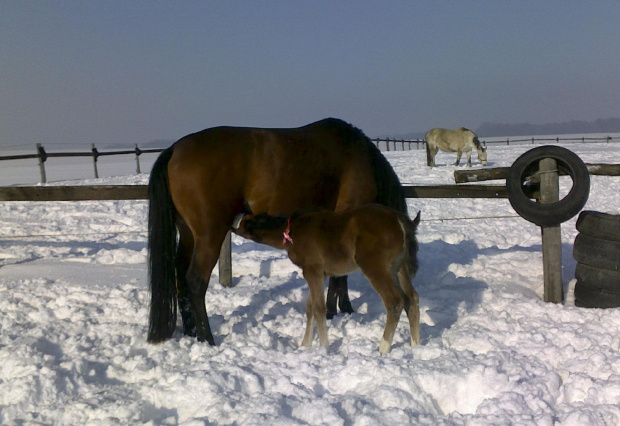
199 184
376 239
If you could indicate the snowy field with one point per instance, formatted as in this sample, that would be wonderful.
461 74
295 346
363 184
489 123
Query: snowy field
74 299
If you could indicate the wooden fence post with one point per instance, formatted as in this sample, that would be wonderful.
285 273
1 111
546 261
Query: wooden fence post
551 235
95 156
138 152
225 265
42 159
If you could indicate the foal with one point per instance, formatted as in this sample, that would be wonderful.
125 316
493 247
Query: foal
376 239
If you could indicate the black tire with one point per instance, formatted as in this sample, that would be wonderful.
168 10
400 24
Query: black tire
604 279
554 213
587 296
597 252
599 225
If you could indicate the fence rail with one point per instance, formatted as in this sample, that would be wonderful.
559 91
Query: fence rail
42 155
392 144
387 144
139 192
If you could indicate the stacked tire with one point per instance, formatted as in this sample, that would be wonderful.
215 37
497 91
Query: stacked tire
597 252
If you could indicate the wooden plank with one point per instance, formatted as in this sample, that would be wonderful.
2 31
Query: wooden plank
139 192
455 191
73 193
18 157
480 175
225 261
604 169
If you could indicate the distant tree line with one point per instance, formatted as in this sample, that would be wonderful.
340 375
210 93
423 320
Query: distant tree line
607 125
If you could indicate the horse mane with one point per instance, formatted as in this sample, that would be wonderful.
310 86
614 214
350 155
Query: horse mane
389 190
475 140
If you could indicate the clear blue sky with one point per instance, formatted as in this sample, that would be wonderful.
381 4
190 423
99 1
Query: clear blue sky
134 71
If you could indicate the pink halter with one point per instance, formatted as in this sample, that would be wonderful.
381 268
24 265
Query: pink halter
287 233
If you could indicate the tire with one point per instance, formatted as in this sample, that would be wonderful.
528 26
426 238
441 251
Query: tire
554 213
597 252
599 225
604 279
587 296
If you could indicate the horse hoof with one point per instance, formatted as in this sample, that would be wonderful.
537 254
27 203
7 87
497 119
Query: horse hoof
346 308
330 314
209 340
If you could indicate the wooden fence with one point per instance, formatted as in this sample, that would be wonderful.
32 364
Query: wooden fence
387 144
393 144
551 235
42 156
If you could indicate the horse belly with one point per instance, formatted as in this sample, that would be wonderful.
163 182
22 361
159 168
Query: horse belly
286 178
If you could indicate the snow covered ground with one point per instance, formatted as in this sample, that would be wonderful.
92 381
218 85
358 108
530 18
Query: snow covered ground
73 316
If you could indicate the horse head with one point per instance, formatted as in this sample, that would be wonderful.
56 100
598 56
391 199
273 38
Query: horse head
482 152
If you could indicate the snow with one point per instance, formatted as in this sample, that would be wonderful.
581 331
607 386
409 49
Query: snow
74 299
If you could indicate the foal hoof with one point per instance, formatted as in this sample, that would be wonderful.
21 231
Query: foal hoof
330 314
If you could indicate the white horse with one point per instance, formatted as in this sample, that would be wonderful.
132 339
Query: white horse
459 140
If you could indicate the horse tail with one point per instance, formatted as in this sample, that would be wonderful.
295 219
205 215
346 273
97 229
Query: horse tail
411 244
389 190
162 252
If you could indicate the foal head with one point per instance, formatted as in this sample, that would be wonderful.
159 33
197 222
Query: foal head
262 228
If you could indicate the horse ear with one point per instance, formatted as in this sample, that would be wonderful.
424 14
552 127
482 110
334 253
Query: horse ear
417 219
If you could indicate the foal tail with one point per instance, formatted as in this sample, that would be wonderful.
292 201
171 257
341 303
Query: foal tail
411 244
162 253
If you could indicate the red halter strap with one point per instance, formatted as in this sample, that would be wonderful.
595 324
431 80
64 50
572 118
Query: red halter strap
287 233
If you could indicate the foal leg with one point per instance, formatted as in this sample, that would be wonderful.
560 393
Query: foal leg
338 294
381 280
309 334
412 305
469 159
315 307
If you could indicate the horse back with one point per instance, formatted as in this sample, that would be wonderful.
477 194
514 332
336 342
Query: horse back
326 164
370 228
448 140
